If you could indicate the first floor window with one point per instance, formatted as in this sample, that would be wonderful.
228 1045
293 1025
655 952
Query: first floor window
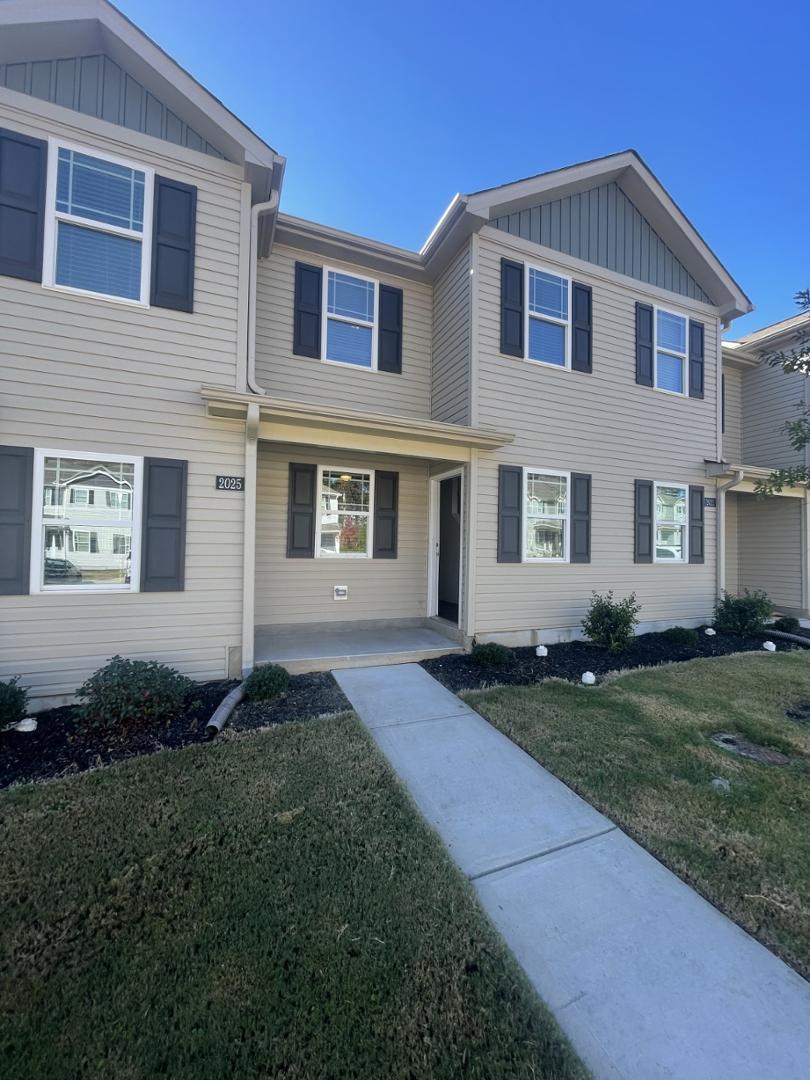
344 513
546 513
86 537
671 501
349 311
670 351
99 213
548 317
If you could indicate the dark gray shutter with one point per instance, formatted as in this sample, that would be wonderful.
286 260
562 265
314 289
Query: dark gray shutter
697 548
22 204
644 521
510 512
581 327
301 512
386 509
695 359
307 316
512 301
644 344
389 331
580 518
163 539
174 237
16 480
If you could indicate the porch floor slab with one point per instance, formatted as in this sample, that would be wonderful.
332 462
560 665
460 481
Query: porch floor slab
319 648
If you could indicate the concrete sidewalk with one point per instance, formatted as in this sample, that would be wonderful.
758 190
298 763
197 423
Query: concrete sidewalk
647 979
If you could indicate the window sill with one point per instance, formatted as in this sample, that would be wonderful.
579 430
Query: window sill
88 295
354 367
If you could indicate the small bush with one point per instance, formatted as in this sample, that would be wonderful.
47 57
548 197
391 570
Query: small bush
266 682
133 695
681 635
611 623
491 654
787 625
744 615
13 700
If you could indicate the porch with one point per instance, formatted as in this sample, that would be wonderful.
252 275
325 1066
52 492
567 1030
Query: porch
324 647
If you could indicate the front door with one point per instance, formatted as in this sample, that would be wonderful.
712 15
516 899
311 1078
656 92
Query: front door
449 547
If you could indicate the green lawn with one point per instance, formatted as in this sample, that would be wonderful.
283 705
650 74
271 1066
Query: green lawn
270 905
637 749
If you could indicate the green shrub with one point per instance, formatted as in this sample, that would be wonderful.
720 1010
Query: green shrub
787 625
266 682
13 700
611 623
491 654
681 635
133 695
743 615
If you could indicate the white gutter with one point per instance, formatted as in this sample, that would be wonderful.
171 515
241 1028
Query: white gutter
721 490
256 212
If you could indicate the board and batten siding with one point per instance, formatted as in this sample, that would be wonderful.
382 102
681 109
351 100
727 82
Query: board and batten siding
83 374
604 227
603 424
450 395
770 399
302 378
769 539
733 409
294 591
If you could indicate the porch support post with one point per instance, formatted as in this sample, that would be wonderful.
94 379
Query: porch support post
805 542
470 545
249 539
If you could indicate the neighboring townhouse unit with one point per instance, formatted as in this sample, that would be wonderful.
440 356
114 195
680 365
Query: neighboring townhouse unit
221 426
766 540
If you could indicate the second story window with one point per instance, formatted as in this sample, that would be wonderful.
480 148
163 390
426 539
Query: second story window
548 334
98 232
670 352
350 330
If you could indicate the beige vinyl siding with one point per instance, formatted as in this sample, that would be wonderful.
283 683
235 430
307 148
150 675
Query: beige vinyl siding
81 374
770 399
302 378
732 582
602 424
301 590
732 434
769 539
450 397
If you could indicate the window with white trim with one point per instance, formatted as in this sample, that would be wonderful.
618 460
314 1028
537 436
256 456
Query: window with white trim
344 513
350 319
98 231
671 534
87 542
548 318
670 351
546 506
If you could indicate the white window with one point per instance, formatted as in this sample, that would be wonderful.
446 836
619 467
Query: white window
548 307
670 351
349 331
671 533
546 513
344 513
82 540
98 230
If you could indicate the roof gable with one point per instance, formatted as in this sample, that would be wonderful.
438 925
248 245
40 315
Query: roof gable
602 225
97 86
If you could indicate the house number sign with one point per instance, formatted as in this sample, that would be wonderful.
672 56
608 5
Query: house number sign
710 502
230 483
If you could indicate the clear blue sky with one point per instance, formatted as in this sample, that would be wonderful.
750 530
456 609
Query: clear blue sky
385 110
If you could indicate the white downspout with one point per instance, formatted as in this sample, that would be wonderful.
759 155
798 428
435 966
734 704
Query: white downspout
256 212
721 529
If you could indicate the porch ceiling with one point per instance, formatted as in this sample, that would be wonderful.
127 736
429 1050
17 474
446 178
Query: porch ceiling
298 422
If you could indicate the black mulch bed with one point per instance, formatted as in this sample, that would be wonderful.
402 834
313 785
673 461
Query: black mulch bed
61 747
570 659
306 696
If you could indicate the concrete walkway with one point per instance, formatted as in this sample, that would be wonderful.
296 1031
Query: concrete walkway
647 979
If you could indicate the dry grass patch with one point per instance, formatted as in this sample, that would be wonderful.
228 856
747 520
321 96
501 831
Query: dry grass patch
638 748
